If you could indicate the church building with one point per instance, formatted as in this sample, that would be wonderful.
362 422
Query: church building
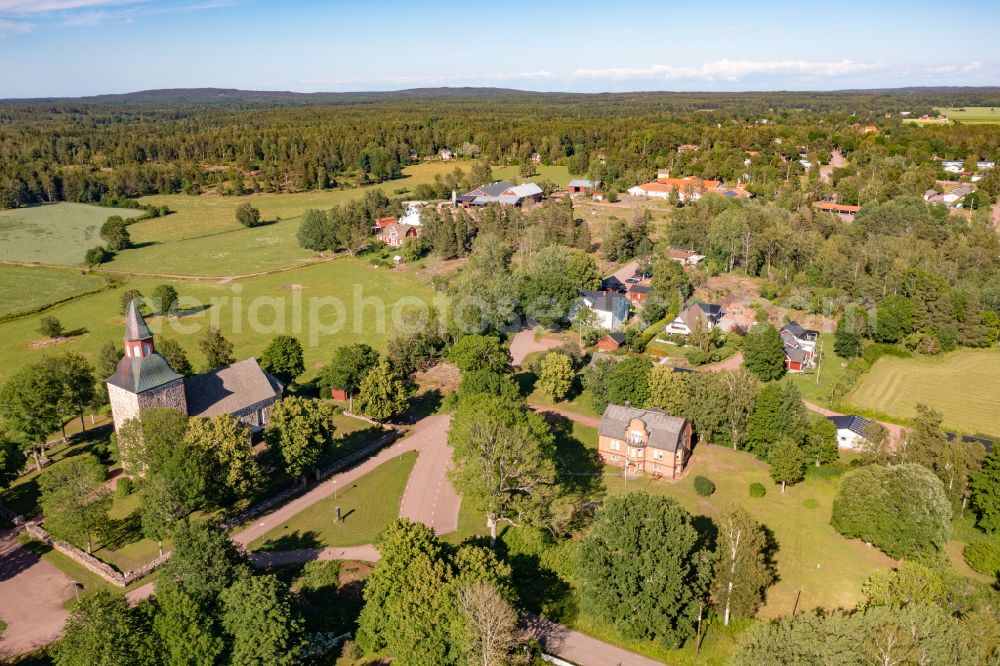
144 379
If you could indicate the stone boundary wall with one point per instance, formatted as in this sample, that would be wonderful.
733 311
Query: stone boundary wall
91 563
119 579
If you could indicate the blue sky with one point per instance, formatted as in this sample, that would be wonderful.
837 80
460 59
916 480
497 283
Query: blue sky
83 47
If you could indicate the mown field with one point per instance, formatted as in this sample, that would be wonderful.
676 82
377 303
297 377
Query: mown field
249 312
54 233
28 288
973 115
961 385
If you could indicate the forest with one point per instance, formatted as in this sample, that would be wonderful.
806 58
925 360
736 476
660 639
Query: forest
89 151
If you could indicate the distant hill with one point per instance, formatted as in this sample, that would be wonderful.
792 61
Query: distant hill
229 96
939 95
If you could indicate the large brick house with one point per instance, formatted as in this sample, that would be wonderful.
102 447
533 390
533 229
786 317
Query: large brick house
144 379
648 441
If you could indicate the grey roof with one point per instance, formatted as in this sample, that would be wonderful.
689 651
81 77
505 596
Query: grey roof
141 373
135 325
852 422
580 182
612 283
641 288
796 330
795 353
617 336
708 312
606 301
493 190
230 389
664 430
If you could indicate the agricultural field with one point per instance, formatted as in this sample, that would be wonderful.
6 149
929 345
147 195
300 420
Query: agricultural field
27 288
961 385
367 296
973 115
54 233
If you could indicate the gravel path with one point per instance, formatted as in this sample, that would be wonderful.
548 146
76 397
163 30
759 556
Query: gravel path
32 592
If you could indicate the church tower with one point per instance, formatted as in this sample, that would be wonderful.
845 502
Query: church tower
143 378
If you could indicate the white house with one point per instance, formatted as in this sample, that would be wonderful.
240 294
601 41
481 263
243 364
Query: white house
953 166
852 431
985 164
411 216
708 314
610 308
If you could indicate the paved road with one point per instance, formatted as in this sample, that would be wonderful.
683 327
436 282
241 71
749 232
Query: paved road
429 435
582 649
626 271
429 497
32 592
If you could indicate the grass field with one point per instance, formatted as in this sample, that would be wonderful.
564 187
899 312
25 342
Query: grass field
973 115
54 233
961 385
97 317
26 289
367 507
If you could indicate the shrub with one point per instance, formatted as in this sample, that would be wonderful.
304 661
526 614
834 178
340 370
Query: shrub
50 327
902 509
248 216
983 557
124 487
757 490
703 486
96 255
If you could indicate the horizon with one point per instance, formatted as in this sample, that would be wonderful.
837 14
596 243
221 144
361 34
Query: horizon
82 48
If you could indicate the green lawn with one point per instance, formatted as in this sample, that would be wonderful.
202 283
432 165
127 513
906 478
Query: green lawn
367 507
961 385
54 233
359 287
812 556
831 369
27 288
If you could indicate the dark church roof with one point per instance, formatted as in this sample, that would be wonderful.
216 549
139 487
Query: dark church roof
135 325
141 373
230 389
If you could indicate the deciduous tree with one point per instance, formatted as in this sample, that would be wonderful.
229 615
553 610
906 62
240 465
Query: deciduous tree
263 626
30 404
985 486
555 375
225 442
217 350
175 355
787 462
102 629
300 431
742 571
75 500
503 457
283 358
654 597
165 299
248 216
763 352
348 366
382 393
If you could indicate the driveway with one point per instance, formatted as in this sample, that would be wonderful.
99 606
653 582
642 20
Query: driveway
524 343
896 432
582 649
429 436
32 592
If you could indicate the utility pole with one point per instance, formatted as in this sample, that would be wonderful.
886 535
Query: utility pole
819 363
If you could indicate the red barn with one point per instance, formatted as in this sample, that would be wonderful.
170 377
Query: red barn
611 341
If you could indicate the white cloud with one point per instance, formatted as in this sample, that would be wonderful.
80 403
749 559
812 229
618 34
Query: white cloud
14 27
418 80
730 70
45 6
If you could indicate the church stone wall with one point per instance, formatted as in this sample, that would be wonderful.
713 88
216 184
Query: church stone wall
257 416
124 405
168 395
